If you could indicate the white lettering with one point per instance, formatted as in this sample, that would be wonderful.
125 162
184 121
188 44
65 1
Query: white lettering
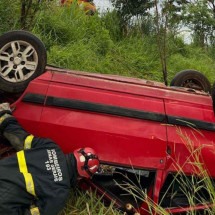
53 165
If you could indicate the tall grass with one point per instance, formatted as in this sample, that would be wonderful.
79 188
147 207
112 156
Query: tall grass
198 188
87 203
94 44
200 179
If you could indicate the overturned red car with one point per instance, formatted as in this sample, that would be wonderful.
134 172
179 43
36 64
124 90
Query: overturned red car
148 136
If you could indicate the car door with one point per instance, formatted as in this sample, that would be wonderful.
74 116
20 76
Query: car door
123 125
190 132
28 108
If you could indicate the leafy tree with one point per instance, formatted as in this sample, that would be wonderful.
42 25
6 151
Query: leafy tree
199 16
167 19
28 11
129 9
9 15
20 14
112 23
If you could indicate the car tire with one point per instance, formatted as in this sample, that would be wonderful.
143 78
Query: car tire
191 79
23 57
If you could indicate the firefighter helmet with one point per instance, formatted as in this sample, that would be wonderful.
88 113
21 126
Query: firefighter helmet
87 162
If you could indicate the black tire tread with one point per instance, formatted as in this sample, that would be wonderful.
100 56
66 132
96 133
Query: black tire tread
42 58
180 77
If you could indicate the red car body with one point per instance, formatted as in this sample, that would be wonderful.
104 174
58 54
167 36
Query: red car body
133 124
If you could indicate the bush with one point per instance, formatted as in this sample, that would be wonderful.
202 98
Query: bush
69 25
112 24
9 15
195 59
94 43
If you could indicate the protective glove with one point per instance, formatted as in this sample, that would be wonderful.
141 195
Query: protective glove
5 109
12 135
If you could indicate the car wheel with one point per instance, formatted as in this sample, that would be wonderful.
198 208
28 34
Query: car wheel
22 58
191 79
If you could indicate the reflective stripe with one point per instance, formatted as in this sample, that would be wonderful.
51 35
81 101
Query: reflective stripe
28 141
24 170
5 116
29 183
35 211
22 162
2 119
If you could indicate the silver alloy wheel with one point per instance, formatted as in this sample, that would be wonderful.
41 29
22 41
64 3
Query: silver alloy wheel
18 61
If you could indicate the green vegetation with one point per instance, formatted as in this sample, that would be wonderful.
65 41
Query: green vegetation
80 42
103 44
87 204
97 44
195 188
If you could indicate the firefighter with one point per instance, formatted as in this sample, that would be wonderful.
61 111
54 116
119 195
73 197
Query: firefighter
38 178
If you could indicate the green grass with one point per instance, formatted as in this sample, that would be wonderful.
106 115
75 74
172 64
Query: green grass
87 203
95 44
92 43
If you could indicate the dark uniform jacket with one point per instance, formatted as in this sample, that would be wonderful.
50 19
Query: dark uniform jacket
40 176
